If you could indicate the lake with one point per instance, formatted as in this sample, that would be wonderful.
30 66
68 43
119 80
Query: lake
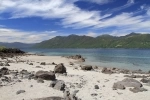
132 59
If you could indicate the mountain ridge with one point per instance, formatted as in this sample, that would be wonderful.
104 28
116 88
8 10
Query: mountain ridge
132 40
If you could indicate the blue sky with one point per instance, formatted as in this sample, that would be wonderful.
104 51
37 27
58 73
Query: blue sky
32 21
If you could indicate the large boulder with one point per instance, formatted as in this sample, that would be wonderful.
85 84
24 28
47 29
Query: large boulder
45 75
59 85
4 71
86 67
128 82
60 68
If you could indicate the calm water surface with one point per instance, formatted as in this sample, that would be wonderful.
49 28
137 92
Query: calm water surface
121 58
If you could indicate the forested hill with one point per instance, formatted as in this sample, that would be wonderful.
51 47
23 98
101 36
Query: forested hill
133 40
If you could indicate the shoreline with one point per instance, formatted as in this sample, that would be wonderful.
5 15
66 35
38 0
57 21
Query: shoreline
91 84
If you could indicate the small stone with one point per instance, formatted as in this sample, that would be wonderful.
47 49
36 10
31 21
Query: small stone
96 87
43 63
94 94
31 64
20 91
137 89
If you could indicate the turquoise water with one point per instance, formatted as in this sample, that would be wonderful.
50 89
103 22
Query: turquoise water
121 58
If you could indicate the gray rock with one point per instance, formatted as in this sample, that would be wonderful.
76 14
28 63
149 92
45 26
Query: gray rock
1 64
60 68
106 71
96 87
137 89
4 71
118 86
94 94
86 67
59 85
69 96
24 72
6 64
43 63
144 80
129 82
45 75
31 64
38 67
20 91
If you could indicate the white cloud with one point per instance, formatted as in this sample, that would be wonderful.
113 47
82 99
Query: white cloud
72 16
92 34
11 35
100 2
128 4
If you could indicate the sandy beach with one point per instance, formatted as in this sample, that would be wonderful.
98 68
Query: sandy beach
81 81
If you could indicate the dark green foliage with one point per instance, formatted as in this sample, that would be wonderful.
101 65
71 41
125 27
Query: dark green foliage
132 40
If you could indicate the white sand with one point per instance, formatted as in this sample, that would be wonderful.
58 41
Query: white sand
91 78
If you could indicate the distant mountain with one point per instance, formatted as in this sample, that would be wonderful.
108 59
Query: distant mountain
133 40
16 45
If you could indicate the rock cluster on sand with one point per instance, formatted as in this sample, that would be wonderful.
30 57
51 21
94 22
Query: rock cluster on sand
129 82
77 57
86 67
58 84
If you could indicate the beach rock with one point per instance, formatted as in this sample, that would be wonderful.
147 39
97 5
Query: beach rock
96 87
6 64
20 91
137 89
38 67
45 75
43 63
106 71
86 67
50 98
124 71
24 72
77 57
144 80
4 71
118 86
60 68
31 64
128 82
1 64
59 85
94 94
53 63
69 96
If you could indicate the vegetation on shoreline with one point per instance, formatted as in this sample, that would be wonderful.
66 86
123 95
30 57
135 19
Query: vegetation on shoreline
133 40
